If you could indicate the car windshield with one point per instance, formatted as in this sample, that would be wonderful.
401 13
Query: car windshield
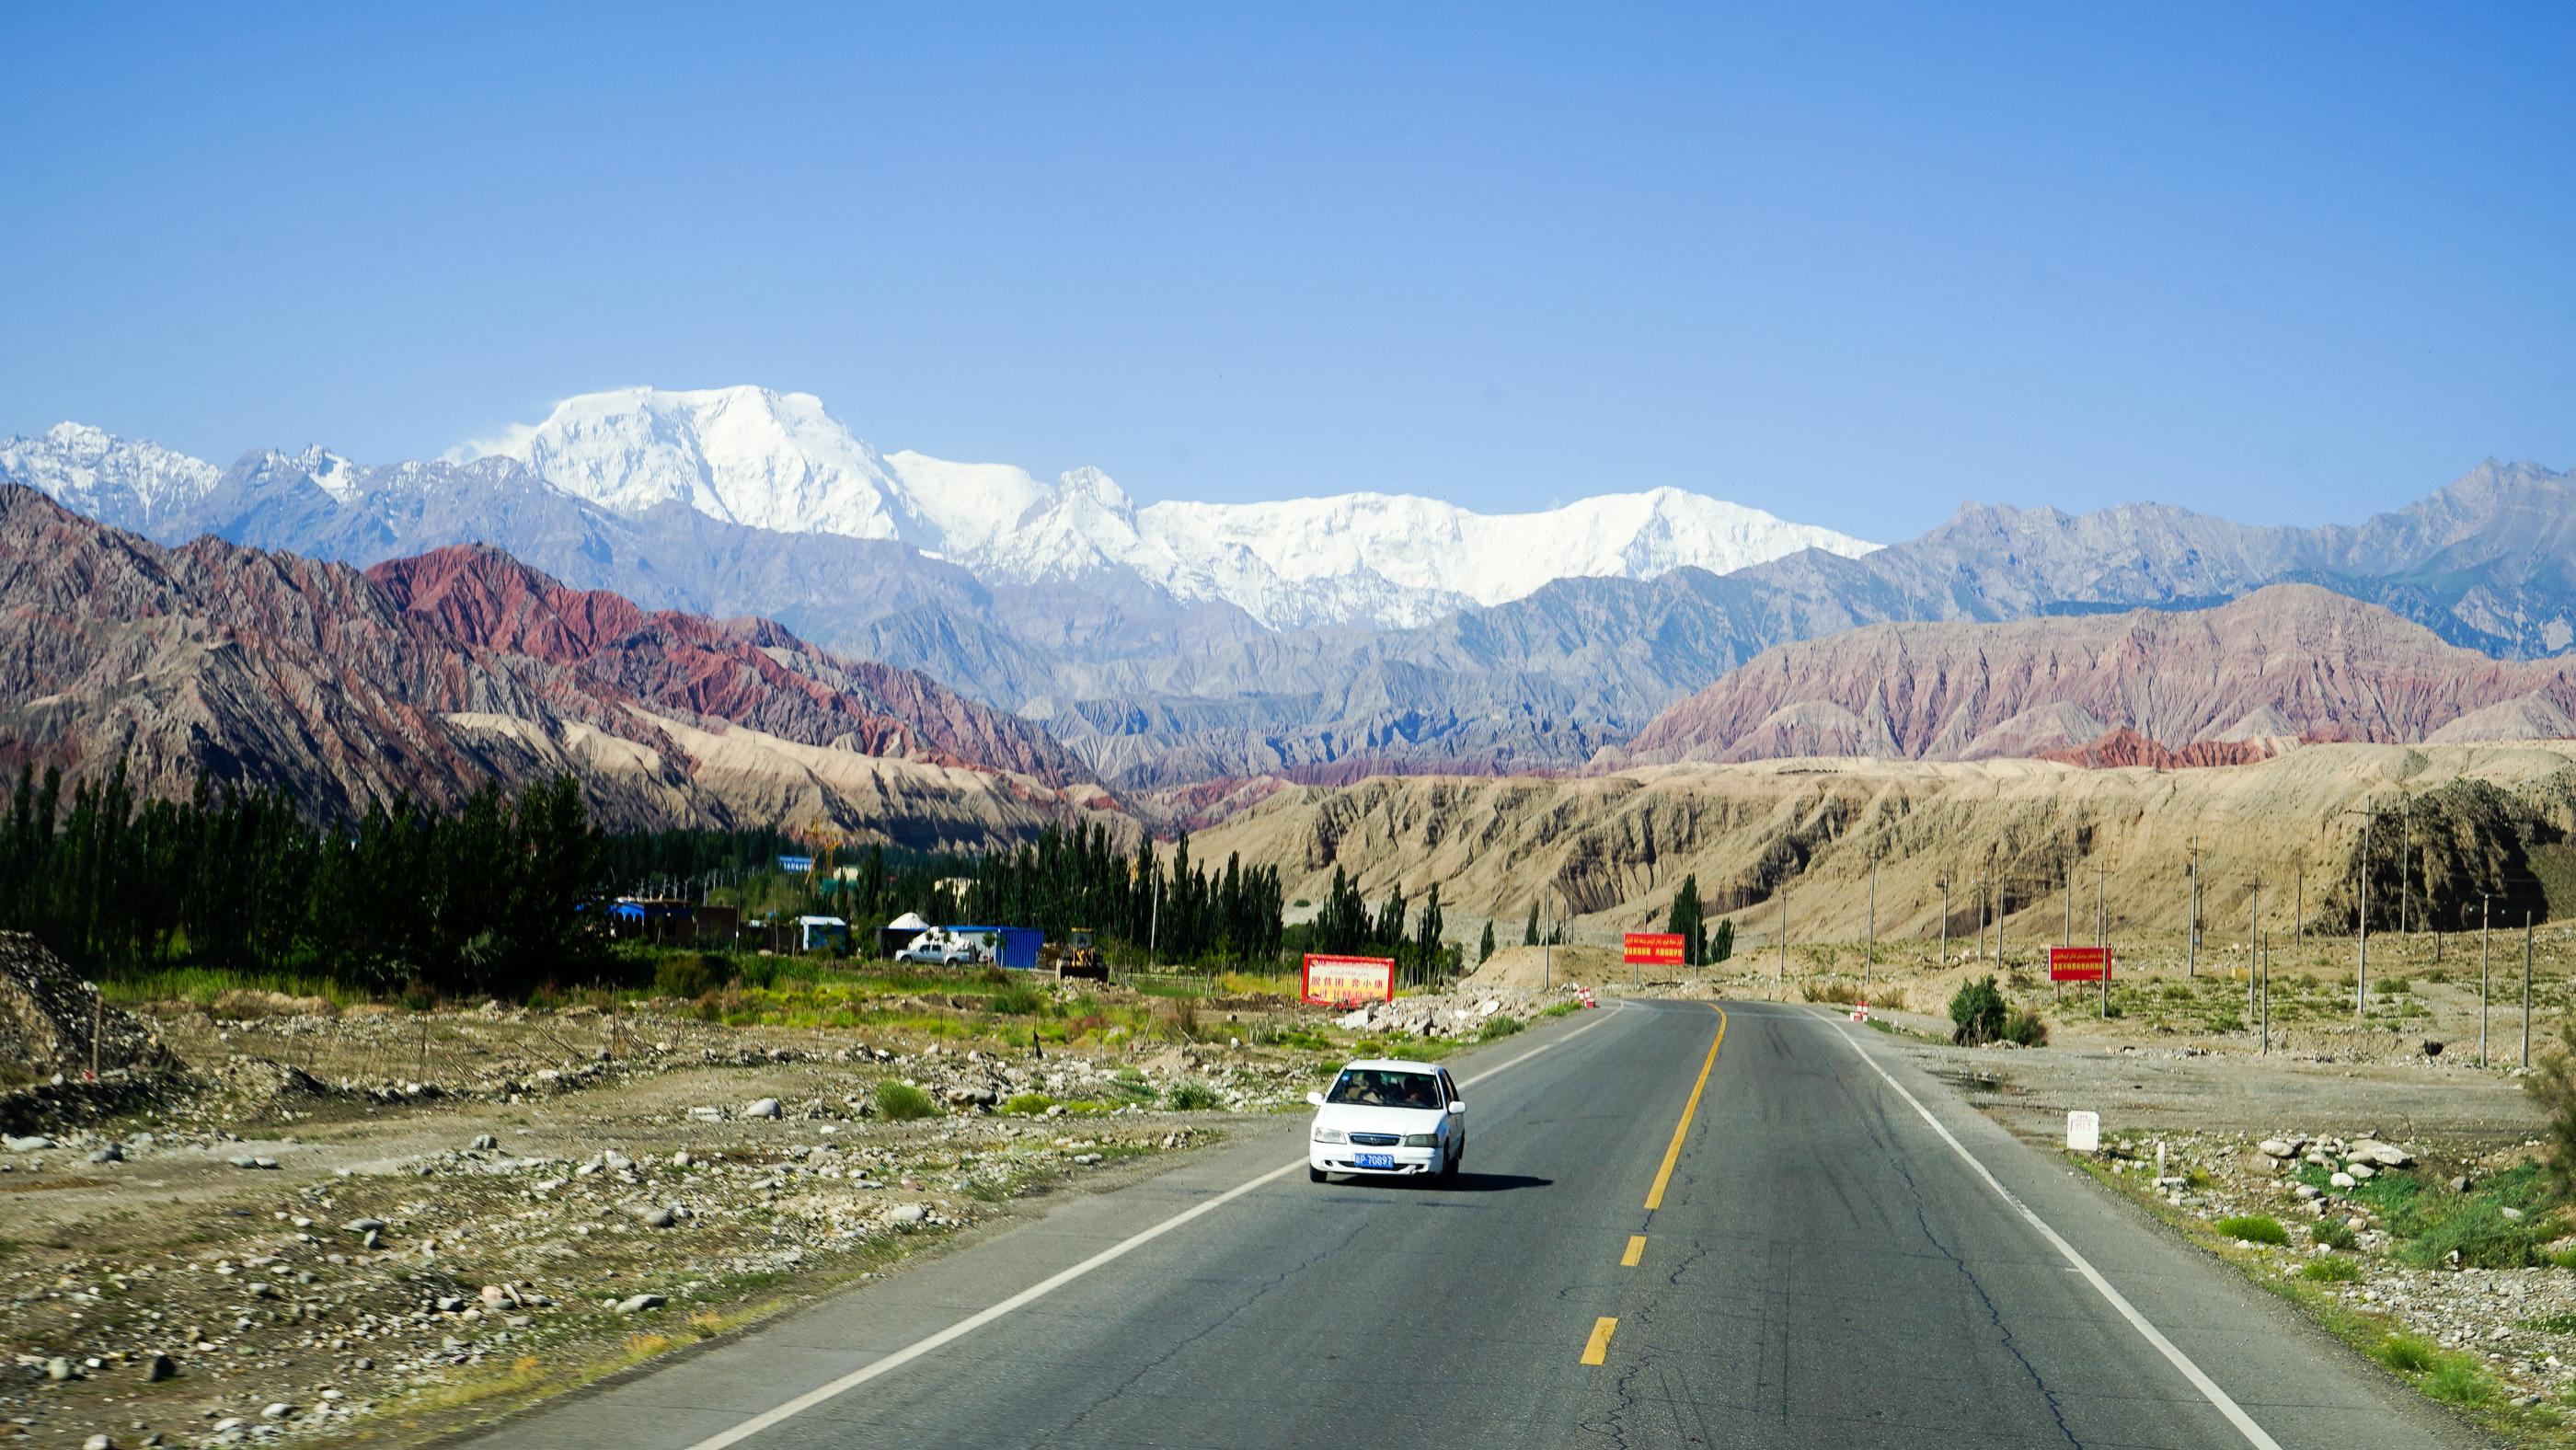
1370 1087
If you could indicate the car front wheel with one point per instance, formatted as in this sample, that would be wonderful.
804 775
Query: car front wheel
1314 1174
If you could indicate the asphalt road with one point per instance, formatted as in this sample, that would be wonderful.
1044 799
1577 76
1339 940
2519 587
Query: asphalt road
1825 1266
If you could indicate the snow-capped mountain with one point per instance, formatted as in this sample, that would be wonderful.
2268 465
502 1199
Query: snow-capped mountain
780 461
132 485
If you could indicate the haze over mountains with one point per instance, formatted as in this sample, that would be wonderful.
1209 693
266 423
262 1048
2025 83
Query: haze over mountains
1190 647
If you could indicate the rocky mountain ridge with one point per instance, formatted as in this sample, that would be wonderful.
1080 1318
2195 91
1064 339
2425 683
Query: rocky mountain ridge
270 670
2285 664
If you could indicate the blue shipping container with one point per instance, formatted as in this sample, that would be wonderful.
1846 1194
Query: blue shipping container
1013 946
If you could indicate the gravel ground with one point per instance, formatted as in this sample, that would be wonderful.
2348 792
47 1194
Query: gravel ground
272 1253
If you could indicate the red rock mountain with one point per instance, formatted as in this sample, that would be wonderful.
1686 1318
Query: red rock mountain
745 671
2282 665
273 670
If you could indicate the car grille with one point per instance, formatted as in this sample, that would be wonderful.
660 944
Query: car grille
1377 1140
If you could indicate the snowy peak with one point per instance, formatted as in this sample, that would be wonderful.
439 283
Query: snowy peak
781 461
1398 560
128 483
745 455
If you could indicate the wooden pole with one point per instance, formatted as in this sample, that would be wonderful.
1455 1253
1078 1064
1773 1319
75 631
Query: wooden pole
2361 915
1782 975
2253 940
1869 952
2526 988
2191 914
1945 921
2484 958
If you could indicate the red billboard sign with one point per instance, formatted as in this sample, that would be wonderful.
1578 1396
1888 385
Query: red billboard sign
2079 964
1341 981
1655 948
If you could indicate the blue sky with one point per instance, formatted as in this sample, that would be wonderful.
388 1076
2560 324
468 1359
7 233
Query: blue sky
1851 264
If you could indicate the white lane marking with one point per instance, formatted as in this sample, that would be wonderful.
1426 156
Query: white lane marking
780 1414
2209 1390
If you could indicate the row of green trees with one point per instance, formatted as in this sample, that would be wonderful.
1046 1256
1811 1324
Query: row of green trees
1181 911
1345 924
486 897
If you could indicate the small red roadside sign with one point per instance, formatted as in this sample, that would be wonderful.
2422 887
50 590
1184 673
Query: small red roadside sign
1654 948
1341 981
2079 964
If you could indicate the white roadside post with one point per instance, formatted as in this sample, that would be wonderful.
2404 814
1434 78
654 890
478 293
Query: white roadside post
2083 1132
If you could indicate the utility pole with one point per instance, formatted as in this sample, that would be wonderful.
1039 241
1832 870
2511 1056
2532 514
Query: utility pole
2101 914
2066 884
1869 952
2405 849
2253 944
1782 975
2003 903
1945 921
2191 914
2361 915
2526 987
2484 956
2298 908
2263 973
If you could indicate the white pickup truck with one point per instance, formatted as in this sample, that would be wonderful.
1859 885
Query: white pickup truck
937 948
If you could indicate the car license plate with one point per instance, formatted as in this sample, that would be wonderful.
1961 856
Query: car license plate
1374 1160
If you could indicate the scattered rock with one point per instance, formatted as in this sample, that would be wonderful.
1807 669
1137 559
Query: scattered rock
762 1108
158 1368
639 1303
485 1142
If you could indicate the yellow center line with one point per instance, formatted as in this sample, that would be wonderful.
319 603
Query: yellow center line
1597 1348
1681 1130
1636 1251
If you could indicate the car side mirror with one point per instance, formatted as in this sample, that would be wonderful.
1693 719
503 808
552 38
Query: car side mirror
1315 1099
1457 1105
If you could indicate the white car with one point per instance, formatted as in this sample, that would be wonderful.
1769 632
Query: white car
1383 1116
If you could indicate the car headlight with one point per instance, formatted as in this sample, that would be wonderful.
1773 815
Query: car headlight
1422 1140
1331 1135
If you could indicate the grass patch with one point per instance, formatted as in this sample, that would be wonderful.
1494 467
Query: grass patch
2554 1324
1028 1105
2335 1233
1498 1027
901 1102
1192 1096
2331 1271
1559 1009
1018 999
2409 1354
2254 1228
2457 1380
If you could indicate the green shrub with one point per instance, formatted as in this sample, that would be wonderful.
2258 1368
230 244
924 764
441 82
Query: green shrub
2334 1233
1018 999
1977 1012
2409 1353
1498 1027
2025 1027
901 1102
2254 1228
2476 1230
1192 1096
2554 1324
1028 1105
2396 986
690 975
2330 1271
2458 1380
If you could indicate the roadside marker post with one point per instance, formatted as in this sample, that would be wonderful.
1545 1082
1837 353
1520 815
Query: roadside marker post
2083 1132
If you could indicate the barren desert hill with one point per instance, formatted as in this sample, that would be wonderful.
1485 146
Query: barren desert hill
2284 664
2494 817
